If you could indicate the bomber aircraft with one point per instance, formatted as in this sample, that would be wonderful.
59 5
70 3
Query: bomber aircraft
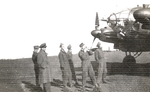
130 33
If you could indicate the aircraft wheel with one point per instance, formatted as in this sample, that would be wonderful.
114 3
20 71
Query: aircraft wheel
129 61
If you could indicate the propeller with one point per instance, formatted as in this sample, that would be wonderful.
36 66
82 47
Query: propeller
93 41
96 26
96 20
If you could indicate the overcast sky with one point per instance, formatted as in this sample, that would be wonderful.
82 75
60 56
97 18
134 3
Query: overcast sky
25 23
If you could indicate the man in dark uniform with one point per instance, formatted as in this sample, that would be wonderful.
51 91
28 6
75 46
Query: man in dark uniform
99 57
65 67
44 70
36 68
87 68
69 56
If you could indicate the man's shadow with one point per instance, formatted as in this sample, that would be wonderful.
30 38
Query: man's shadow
57 83
29 87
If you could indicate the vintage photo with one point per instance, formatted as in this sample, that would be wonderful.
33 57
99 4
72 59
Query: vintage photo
74 46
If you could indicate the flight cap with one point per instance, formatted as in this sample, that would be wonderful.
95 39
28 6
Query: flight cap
69 47
98 44
61 45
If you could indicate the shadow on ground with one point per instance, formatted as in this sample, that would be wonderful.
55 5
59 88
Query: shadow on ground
57 83
115 68
29 87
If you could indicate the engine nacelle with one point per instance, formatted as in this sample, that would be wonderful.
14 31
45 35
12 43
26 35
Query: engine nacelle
142 16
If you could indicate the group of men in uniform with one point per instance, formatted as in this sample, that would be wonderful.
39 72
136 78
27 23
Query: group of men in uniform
87 68
42 69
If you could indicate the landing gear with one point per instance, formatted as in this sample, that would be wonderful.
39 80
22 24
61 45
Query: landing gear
129 61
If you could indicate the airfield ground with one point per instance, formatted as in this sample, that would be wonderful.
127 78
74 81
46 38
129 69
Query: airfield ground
18 75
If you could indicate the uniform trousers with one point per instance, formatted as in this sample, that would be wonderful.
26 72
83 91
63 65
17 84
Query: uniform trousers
67 76
87 69
72 70
36 69
102 70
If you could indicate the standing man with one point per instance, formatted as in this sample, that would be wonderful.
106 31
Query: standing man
87 68
99 57
44 70
69 56
65 68
36 68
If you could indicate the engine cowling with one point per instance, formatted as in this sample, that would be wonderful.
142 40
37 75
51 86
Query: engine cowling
142 16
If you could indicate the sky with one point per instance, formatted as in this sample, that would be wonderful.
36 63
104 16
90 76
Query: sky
25 23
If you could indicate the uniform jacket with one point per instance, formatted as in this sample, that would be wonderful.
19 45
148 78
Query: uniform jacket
85 56
98 54
69 55
63 60
34 59
44 69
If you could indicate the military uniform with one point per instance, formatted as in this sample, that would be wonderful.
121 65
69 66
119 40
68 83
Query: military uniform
36 68
69 56
102 71
64 65
44 69
86 66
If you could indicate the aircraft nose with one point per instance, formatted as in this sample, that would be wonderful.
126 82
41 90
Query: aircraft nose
95 33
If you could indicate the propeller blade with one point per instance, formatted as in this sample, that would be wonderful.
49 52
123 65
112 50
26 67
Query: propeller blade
96 20
96 25
93 41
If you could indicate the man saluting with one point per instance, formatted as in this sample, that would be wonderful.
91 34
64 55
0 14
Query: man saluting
87 68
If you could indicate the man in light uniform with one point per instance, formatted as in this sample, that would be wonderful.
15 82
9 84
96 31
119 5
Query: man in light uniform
70 59
87 68
65 67
99 57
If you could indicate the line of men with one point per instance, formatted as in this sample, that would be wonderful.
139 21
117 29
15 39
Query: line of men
87 68
42 70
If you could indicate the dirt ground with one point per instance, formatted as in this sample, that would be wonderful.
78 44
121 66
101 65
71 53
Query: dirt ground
18 75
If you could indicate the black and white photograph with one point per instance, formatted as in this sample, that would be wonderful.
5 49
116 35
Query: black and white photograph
74 46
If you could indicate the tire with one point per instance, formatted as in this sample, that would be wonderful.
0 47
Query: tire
129 61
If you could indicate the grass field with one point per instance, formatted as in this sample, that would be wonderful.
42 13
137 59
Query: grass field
14 73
